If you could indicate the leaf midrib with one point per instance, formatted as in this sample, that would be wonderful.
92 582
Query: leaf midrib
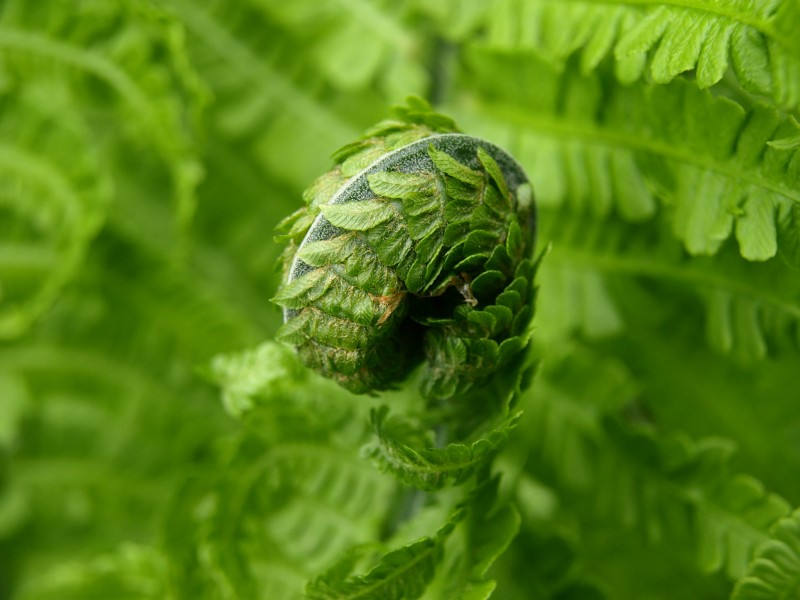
395 574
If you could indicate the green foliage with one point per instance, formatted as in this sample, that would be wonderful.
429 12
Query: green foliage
663 41
660 484
748 310
61 99
402 573
775 571
132 572
426 467
155 442
613 148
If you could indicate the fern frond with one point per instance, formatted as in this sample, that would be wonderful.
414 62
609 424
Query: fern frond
288 497
453 563
774 573
402 573
253 375
80 462
478 541
600 148
259 99
662 40
92 107
404 452
49 217
664 484
161 100
131 571
752 310
355 43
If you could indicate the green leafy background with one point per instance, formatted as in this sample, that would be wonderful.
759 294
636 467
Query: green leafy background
154 443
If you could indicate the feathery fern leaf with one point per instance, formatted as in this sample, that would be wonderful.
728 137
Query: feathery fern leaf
663 40
478 541
663 484
63 100
774 573
255 374
291 500
408 455
148 97
401 574
49 209
133 572
259 101
47 221
751 310
79 462
355 43
603 148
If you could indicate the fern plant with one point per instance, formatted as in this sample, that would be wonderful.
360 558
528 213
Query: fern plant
639 435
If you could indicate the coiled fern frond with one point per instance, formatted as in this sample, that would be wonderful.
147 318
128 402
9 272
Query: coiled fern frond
419 236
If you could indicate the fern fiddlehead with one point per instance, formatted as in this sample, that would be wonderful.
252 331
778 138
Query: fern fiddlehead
414 248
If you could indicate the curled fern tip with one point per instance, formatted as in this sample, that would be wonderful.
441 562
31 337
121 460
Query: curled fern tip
415 248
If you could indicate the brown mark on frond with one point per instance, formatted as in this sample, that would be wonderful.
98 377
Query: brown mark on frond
391 302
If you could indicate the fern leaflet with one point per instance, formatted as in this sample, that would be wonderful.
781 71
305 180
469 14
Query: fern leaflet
664 484
603 148
404 452
775 570
401 573
751 310
663 40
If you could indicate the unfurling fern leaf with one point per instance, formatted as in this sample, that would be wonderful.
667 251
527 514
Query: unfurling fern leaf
418 234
